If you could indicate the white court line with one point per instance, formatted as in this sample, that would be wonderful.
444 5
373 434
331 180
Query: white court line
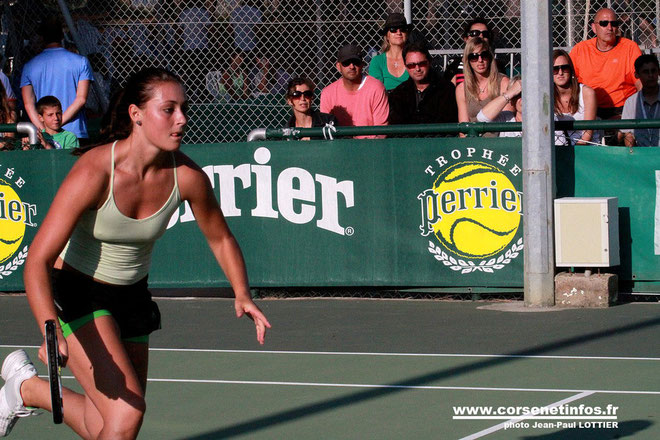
387 386
358 353
518 419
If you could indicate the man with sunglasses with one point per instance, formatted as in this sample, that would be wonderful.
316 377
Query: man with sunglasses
355 99
606 63
424 98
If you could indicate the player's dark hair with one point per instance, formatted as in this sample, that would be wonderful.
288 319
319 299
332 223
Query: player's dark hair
116 123
47 101
644 59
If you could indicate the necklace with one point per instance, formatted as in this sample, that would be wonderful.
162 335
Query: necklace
482 90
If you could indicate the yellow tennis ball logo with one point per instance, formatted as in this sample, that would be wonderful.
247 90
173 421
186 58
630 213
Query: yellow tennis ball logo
12 225
479 209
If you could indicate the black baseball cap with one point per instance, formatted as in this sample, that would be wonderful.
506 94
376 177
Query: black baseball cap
349 52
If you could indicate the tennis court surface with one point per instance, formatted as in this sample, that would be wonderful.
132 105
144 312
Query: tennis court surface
386 369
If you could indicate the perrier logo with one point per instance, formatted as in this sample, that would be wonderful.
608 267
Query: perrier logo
474 211
15 216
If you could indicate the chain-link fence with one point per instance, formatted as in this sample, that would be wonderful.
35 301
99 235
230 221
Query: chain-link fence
237 55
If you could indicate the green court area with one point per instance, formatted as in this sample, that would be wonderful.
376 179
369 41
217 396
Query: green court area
387 369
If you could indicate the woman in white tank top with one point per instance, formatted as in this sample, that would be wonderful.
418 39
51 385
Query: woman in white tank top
126 188
573 101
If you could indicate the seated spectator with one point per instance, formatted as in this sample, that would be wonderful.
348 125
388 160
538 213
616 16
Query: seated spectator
573 101
52 136
495 111
643 104
300 97
426 97
475 28
355 99
7 116
269 77
235 80
483 81
606 64
388 66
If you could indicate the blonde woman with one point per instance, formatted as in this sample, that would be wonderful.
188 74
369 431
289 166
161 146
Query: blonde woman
388 67
482 81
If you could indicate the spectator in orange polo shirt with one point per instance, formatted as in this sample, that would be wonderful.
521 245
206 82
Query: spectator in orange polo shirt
607 64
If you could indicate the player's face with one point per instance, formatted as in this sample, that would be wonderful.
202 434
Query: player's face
648 75
417 65
561 72
164 116
351 69
300 99
52 118
608 33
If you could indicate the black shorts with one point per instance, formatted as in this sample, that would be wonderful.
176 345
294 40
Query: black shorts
79 299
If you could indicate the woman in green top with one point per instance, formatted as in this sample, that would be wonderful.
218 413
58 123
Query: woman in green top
388 66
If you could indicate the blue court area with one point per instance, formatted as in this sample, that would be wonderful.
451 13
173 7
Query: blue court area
388 369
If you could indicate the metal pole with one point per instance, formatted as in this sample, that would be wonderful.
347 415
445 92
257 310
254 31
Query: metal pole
657 25
585 31
538 152
407 10
570 39
96 89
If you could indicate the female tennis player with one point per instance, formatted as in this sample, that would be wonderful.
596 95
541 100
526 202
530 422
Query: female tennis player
88 262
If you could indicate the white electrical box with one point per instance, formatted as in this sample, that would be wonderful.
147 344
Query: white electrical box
587 232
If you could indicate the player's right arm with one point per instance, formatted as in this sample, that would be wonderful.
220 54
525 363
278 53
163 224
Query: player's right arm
81 190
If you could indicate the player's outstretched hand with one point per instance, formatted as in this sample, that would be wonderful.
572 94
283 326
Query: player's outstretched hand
248 308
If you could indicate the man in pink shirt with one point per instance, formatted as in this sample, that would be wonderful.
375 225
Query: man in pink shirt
355 99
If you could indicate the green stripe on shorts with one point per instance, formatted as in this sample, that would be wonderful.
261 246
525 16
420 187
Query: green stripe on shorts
69 328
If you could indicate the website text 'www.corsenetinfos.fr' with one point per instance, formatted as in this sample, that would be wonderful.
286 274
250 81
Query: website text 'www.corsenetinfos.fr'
563 416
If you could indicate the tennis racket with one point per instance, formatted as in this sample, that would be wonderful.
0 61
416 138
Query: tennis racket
54 371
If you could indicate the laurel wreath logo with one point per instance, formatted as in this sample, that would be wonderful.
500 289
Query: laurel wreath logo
468 266
19 259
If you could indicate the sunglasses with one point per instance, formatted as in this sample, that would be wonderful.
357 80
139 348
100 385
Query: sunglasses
354 61
475 33
564 67
420 64
614 23
485 55
395 29
298 94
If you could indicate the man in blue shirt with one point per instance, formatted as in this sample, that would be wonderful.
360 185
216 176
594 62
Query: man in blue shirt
60 73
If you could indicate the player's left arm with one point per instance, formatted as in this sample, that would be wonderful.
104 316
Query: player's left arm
196 189
78 103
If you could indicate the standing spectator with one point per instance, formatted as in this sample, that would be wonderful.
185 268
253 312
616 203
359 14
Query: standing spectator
300 97
245 19
644 104
388 66
355 99
60 73
426 97
606 64
483 82
194 22
573 101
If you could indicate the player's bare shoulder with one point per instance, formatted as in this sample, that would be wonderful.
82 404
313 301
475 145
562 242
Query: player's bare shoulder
91 172
192 180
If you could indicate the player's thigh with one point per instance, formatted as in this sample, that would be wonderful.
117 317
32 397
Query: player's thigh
103 367
138 352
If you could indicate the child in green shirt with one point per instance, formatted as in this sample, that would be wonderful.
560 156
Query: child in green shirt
49 109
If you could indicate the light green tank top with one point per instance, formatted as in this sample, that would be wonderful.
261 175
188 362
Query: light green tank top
112 247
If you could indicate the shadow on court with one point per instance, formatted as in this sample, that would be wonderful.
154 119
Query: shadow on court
625 428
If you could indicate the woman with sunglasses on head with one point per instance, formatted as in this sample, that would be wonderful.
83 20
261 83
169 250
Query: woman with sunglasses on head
573 101
483 81
389 67
475 28
300 97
